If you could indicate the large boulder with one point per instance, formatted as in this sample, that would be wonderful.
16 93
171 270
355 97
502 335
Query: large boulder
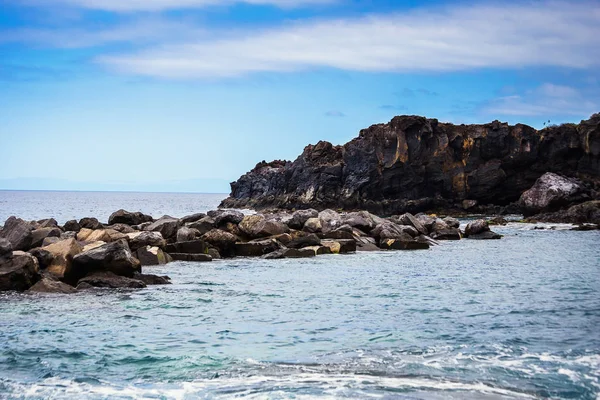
476 227
584 213
410 220
362 220
390 230
113 257
185 234
403 244
304 241
18 272
48 285
143 239
128 218
44 257
224 216
150 279
300 217
72 226
151 256
90 223
452 222
123 228
62 253
18 233
192 218
446 234
203 225
257 226
167 226
197 246
223 241
313 225
107 279
257 248
551 192
47 223
290 253
330 220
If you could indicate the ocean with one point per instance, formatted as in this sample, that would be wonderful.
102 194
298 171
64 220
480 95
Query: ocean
512 318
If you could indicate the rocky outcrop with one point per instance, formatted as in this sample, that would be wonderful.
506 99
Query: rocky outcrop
413 164
551 192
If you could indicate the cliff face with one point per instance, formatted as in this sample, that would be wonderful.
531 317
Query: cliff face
413 164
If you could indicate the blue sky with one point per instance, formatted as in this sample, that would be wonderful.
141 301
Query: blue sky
186 95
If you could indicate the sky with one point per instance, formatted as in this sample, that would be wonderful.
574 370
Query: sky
187 95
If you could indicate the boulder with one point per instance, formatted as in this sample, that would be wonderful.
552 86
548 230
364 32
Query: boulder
290 253
192 218
584 213
141 227
468 204
72 225
452 222
191 257
197 246
143 239
18 233
305 241
223 241
90 223
128 218
104 235
300 217
150 279
330 220
366 244
18 272
410 220
62 253
224 216
107 279
257 248
485 235
167 226
43 256
151 256
231 228
319 250
113 257
497 221
362 220
68 235
185 234
446 234
401 244
438 225
203 225
551 192
51 240
5 248
214 253
313 225
47 223
93 245
48 285
257 226
343 232
390 230
475 227
123 228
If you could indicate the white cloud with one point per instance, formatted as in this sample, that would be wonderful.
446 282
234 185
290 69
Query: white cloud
161 5
450 39
547 99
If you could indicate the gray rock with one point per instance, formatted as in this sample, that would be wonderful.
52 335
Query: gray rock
112 257
150 279
5 248
403 244
47 285
151 256
18 233
72 225
192 218
223 241
43 256
143 239
106 279
203 225
550 192
48 223
476 227
18 272
191 257
185 234
89 223
38 235
452 222
330 220
313 225
446 234
167 226
300 217
305 241
224 216
485 236
197 246
257 248
362 220
410 220
128 218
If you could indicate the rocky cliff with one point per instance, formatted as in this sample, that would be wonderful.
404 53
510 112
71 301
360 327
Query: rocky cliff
415 164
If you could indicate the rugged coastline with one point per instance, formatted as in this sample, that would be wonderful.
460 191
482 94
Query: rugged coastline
414 164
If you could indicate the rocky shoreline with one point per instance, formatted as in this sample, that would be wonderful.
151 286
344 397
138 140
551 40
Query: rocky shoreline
41 256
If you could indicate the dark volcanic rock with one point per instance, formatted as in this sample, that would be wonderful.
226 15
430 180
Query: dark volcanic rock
5 248
150 279
43 256
18 272
257 248
305 241
588 212
18 233
192 218
224 216
128 218
413 164
90 223
191 257
114 257
223 241
106 279
72 226
550 192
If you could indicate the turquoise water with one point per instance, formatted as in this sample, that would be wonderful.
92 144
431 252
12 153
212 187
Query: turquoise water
512 318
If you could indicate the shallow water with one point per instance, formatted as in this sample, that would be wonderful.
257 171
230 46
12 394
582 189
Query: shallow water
511 318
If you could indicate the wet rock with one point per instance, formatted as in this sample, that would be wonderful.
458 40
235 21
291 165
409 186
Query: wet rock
72 225
146 238
18 272
313 225
586 227
390 230
485 236
497 221
192 218
223 241
18 233
305 241
43 256
446 234
185 234
300 217
257 248
47 285
550 192
141 227
588 212
63 253
452 222
341 246
343 232
197 246
167 226
90 223
403 244
191 257
476 227
113 257
214 253
366 244
150 279
128 218
151 256
319 250
107 279
290 253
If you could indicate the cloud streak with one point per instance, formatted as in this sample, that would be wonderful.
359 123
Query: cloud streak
451 39
162 5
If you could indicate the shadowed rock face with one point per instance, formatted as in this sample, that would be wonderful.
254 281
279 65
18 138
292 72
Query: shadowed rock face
413 163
